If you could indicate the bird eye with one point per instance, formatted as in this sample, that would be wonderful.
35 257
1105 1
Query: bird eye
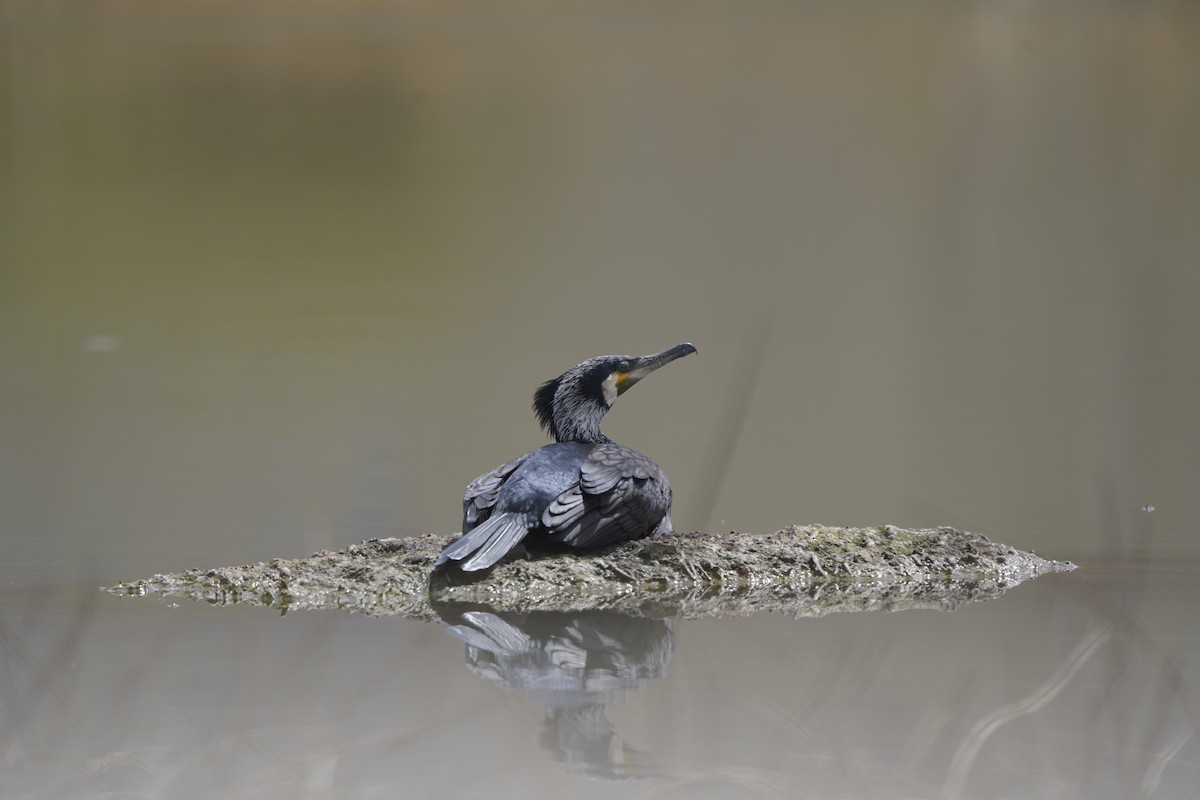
623 366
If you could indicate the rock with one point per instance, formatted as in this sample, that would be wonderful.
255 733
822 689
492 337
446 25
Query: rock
806 570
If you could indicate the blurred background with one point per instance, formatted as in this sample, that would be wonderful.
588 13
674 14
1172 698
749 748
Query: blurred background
278 276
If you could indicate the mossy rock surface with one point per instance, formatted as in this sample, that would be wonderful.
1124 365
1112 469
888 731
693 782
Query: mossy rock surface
807 570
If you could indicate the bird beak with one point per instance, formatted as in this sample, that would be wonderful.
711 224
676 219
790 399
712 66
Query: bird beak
643 365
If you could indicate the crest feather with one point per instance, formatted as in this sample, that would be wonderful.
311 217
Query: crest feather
543 404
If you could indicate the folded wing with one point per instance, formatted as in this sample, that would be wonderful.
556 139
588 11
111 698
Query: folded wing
481 494
621 495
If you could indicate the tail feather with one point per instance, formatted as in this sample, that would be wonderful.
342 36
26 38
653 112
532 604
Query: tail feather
486 544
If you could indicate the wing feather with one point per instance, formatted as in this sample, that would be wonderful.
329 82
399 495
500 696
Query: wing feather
564 510
481 494
621 495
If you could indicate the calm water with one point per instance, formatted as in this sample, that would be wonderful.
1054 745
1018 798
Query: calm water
274 280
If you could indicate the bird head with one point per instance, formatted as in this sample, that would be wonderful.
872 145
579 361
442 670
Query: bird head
571 406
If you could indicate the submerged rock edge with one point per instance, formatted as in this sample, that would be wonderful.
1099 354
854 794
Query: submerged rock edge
802 570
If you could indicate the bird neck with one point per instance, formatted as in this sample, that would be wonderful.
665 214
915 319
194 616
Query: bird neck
579 423
597 438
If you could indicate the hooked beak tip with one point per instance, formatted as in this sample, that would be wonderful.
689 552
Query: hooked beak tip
648 364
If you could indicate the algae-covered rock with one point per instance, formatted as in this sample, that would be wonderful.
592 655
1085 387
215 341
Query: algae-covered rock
801 571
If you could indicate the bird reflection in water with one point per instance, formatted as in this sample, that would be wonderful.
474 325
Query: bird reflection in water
575 664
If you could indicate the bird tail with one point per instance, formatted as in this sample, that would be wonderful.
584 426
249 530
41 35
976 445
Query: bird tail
486 544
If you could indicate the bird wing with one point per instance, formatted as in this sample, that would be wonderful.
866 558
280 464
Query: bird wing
621 495
482 492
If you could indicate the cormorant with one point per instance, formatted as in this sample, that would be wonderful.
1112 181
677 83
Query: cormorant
585 490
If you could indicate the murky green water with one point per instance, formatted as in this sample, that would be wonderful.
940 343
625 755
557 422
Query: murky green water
277 279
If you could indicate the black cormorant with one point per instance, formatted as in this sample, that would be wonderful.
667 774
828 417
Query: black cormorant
585 490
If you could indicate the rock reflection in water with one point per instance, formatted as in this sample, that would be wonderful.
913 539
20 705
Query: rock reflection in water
576 664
